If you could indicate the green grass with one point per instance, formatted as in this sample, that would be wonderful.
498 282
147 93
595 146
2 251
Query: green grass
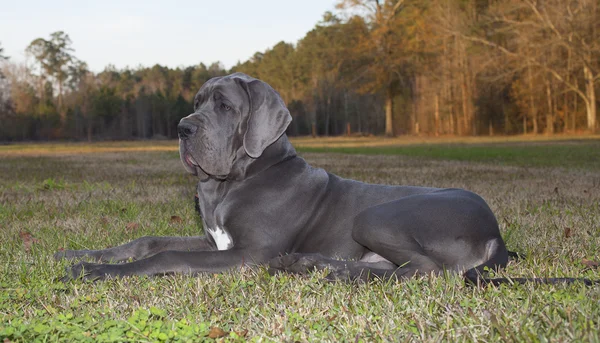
548 154
90 199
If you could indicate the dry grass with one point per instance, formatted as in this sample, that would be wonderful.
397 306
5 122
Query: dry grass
378 141
29 149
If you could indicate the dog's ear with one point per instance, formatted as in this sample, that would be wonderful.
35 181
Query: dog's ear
268 118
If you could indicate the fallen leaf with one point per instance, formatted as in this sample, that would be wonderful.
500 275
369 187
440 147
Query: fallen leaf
176 220
132 226
567 232
590 263
215 332
27 239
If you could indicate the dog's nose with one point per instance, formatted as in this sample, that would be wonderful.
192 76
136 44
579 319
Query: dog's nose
185 130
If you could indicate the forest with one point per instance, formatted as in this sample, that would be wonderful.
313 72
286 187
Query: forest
382 67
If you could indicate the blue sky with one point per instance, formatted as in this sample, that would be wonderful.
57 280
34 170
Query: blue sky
173 33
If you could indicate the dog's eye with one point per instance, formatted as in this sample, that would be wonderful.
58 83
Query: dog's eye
225 107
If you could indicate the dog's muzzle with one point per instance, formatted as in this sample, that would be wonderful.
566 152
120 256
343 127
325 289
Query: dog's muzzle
186 130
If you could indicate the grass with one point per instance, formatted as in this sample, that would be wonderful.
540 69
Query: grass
546 196
532 150
582 155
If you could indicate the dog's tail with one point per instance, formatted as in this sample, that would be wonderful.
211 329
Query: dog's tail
477 275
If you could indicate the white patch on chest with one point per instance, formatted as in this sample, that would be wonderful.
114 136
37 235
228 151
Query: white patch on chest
221 238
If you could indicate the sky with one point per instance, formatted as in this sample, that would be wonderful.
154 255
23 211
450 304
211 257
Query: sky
129 33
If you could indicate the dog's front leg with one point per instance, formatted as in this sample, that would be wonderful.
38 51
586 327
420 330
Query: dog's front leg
169 262
140 248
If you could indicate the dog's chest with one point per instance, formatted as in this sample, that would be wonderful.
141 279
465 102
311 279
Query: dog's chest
221 237
218 232
212 216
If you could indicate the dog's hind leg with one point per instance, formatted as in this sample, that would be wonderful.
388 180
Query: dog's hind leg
450 230
342 270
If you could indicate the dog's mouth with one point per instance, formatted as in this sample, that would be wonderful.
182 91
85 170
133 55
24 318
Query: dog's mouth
195 166
192 165
191 161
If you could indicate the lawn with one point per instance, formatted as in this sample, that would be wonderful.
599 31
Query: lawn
546 194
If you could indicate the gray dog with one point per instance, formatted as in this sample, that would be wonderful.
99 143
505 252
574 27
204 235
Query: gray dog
262 204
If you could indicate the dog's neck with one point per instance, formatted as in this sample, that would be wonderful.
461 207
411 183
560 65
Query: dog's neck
245 166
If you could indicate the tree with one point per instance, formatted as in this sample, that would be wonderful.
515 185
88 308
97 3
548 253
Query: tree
318 68
5 96
376 66
382 50
82 84
554 37
2 56
4 93
54 56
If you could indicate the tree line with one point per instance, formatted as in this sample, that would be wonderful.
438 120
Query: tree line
436 67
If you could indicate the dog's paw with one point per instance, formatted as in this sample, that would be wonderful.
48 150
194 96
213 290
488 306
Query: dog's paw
88 272
297 263
342 275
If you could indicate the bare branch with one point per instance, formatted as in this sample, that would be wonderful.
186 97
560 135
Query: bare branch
533 61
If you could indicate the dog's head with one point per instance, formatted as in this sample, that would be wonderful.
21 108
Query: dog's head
235 116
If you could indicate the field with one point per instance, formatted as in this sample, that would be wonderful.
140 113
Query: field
545 193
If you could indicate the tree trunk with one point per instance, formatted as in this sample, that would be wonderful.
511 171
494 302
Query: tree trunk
437 114
346 112
327 114
532 108
89 128
358 115
389 119
167 117
506 127
590 104
313 107
61 112
465 106
124 120
549 110
468 124
568 94
574 116
447 90
454 122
